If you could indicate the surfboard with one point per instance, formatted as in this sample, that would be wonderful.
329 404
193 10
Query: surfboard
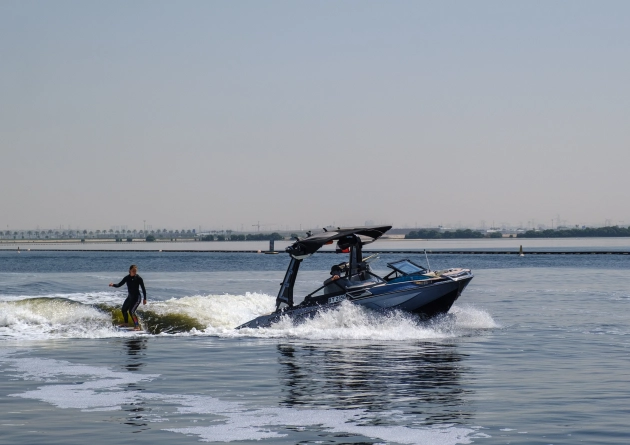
129 329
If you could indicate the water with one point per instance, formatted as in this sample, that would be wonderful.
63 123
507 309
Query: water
536 351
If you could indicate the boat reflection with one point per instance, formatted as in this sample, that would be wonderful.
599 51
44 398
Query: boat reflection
423 379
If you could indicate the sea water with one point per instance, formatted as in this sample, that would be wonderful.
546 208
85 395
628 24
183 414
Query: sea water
536 351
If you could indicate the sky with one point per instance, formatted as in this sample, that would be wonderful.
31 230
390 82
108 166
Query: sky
230 114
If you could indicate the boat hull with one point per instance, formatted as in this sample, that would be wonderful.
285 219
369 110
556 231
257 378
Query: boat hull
426 301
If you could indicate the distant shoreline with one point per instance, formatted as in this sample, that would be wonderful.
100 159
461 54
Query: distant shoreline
96 241
618 245
210 243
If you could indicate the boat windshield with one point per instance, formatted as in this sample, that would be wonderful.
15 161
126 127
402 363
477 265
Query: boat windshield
406 267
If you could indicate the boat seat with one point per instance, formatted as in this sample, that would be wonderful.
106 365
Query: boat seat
334 286
350 284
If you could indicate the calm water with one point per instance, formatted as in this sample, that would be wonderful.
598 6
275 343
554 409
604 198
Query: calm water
536 351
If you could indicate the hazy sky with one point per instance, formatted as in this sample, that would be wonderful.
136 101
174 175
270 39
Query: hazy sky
223 114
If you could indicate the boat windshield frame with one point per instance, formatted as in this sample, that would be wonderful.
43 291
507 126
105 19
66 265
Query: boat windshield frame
419 269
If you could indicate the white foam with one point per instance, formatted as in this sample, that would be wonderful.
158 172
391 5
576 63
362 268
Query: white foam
218 312
47 317
112 298
238 421
247 424
470 317
100 391
353 322
48 370
39 319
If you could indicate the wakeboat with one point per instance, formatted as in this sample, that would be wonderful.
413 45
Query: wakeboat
409 287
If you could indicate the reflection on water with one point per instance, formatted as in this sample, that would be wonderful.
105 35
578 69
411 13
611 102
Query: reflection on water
135 348
423 379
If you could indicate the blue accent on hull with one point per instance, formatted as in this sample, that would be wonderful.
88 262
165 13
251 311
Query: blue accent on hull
424 301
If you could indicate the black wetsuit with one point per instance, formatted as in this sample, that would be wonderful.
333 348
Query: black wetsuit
133 299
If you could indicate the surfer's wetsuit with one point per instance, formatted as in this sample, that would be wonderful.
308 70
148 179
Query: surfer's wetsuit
133 299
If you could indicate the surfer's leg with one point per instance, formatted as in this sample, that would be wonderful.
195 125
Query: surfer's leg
126 307
132 311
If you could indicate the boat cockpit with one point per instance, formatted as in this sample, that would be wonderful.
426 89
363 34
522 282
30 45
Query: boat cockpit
342 279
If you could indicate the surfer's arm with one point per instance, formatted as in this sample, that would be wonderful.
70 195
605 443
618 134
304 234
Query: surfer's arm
123 281
144 291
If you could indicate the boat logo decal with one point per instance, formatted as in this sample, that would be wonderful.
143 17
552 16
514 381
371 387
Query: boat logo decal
336 299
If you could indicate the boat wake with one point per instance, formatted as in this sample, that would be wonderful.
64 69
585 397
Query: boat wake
91 389
94 316
353 322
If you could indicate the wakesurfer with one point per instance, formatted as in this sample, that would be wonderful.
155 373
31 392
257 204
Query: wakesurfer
134 284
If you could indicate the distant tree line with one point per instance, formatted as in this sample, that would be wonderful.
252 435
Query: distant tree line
455 234
587 232
243 237
95 234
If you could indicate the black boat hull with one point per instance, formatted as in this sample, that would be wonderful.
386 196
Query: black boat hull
426 301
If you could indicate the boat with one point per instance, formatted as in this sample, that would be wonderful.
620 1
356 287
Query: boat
408 287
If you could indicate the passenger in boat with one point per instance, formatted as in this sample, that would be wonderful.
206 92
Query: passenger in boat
335 271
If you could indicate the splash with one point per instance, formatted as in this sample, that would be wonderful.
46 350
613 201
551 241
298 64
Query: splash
352 322
42 318
217 312
470 317
218 315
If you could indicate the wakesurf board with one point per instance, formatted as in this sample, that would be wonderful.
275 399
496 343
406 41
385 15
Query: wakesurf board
130 329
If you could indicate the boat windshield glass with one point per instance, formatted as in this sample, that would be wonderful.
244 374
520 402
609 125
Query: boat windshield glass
406 267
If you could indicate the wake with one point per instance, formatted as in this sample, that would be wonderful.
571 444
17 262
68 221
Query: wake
83 316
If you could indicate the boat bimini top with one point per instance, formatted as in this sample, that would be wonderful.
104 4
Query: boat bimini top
305 247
